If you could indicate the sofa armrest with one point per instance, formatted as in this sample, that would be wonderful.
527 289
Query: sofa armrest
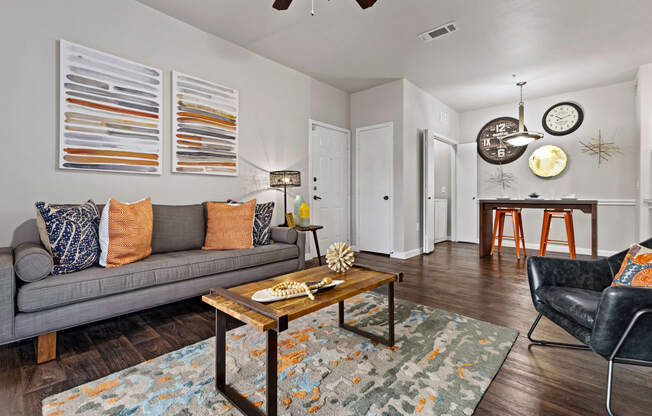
284 235
291 236
581 274
618 306
7 293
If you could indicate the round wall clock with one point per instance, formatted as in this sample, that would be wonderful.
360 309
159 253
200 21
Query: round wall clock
548 161
491 146
563 118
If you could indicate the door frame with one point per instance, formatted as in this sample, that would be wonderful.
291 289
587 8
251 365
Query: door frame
311 253
453 175
357 184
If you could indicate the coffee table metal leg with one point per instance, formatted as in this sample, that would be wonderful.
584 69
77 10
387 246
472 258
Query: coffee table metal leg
389 341
231 394
272 376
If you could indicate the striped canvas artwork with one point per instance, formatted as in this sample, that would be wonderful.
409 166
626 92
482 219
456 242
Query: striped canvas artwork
110 112
204 127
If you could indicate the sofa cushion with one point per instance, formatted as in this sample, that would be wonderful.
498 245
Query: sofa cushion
580 305
32 262
158 269
178 228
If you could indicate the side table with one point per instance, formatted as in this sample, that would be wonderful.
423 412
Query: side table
314 229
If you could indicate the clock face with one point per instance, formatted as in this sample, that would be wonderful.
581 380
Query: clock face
491 146
562 119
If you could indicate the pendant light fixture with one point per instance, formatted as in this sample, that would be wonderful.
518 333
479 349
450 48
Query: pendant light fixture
522 137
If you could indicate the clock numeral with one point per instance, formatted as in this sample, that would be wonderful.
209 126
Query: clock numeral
500 128
501 152
486 142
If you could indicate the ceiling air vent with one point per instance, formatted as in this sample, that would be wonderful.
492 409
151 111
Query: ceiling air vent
439 31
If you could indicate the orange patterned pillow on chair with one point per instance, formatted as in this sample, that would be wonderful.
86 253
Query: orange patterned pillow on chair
229 227
636 269
125 232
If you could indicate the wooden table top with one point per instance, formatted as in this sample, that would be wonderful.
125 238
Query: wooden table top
309 227
356 281
536 201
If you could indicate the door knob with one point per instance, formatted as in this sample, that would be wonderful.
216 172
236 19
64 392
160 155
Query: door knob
386 197
316 198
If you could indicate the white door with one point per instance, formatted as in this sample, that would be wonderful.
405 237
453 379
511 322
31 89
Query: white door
375 183
467 192
428 196
329 185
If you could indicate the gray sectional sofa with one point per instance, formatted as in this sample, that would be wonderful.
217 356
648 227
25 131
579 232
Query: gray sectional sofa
32 305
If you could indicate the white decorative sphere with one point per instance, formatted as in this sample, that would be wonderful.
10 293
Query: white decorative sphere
339 257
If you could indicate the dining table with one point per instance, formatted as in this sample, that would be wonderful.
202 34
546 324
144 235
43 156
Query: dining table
487 206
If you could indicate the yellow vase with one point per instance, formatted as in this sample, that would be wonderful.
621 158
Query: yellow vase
304 215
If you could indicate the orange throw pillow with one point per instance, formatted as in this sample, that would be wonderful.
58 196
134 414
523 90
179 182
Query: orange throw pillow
229 227
636 269
125 232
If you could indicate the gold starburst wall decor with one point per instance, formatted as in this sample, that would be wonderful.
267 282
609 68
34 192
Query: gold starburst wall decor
603 150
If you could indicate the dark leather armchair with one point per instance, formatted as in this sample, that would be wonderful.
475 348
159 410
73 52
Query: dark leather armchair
613 321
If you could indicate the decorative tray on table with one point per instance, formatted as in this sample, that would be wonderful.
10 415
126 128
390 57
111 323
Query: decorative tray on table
266 295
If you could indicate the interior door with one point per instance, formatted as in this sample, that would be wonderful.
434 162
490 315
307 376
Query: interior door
428 196
375 182
329 184
467 192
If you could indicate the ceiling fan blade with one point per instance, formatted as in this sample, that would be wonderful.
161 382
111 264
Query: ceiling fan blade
282 4
365 4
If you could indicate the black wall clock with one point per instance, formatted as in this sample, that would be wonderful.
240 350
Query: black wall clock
491 146
563 118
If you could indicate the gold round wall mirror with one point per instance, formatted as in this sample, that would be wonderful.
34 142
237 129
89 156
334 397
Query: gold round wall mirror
548 161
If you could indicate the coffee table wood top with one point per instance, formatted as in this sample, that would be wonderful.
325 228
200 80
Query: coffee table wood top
356 281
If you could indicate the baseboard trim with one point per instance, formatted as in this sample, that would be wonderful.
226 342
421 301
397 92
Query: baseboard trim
406 254
561 249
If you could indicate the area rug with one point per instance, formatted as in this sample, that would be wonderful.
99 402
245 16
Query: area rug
442 364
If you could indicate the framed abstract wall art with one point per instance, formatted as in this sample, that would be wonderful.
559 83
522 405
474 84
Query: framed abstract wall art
204 126
110 112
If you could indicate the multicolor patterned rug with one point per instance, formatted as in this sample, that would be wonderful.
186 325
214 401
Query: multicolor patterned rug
441 365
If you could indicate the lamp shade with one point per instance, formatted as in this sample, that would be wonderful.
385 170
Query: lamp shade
280 178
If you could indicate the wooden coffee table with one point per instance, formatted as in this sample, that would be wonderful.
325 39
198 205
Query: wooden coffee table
274 317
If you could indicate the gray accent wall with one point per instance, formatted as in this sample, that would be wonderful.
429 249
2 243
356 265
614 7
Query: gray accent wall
275 105
614 183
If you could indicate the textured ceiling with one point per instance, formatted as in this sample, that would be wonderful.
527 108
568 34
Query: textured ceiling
556 45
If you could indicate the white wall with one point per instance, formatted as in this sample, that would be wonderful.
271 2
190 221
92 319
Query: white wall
610 108
275 105
376 105
420 111
412 110
644 120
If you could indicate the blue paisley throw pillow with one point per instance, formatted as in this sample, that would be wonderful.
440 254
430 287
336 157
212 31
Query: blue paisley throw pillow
262 220
72 235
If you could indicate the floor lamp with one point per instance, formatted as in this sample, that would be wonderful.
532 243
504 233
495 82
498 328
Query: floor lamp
285 179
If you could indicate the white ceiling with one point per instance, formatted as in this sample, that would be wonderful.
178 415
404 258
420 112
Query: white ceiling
556 45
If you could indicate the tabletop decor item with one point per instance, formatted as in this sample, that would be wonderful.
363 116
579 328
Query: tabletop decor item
562 118
298 200
603 150
533 195
289 220
110 116
304 215
548 161
339 257
285 179
205 126
291 289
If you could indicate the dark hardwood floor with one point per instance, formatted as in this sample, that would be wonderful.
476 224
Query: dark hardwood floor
534 380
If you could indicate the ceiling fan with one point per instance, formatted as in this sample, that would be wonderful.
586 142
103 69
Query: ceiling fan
284 4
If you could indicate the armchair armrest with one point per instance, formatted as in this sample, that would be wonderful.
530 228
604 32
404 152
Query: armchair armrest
7 293
618 306
581 274
291 236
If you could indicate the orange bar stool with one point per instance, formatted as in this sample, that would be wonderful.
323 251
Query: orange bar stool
517 224
567 216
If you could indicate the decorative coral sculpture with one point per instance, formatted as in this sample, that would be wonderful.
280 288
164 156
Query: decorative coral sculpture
339 257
